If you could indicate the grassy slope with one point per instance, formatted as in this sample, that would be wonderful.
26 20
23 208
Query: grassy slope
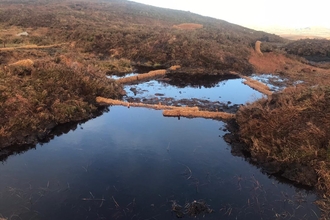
288 131
288 134
33 100
145 35
100 37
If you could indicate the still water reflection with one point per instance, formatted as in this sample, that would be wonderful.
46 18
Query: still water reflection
232 90
132 163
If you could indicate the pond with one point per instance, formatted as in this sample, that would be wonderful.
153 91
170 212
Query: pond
133 163
224 91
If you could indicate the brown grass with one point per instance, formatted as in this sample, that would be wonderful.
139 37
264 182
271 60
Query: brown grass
143 76
275 63
25 63
188 26
290 129
170 111
271 62
117 66
32 46
33 100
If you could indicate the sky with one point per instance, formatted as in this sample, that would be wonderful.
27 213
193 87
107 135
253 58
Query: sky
256 13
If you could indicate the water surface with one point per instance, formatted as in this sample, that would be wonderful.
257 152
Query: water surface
231 90
132 163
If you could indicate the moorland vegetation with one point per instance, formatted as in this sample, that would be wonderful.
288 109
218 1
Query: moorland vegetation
72 45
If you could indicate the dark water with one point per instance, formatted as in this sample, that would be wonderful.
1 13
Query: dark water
131 163
232 90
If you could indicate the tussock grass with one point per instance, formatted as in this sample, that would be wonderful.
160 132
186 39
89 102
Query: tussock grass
116 66
290 131
33 100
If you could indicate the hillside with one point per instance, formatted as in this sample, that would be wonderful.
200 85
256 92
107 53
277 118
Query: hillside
298 33
55 55
41 40
145 35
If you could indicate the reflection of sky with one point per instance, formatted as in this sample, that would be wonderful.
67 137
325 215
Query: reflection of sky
124 76
232 90
267 78
137 154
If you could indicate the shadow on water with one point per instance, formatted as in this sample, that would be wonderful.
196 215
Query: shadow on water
197 80
133 163
55 132
212 93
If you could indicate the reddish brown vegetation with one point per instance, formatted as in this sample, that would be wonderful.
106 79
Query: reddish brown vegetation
288 132
34 99
188 26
